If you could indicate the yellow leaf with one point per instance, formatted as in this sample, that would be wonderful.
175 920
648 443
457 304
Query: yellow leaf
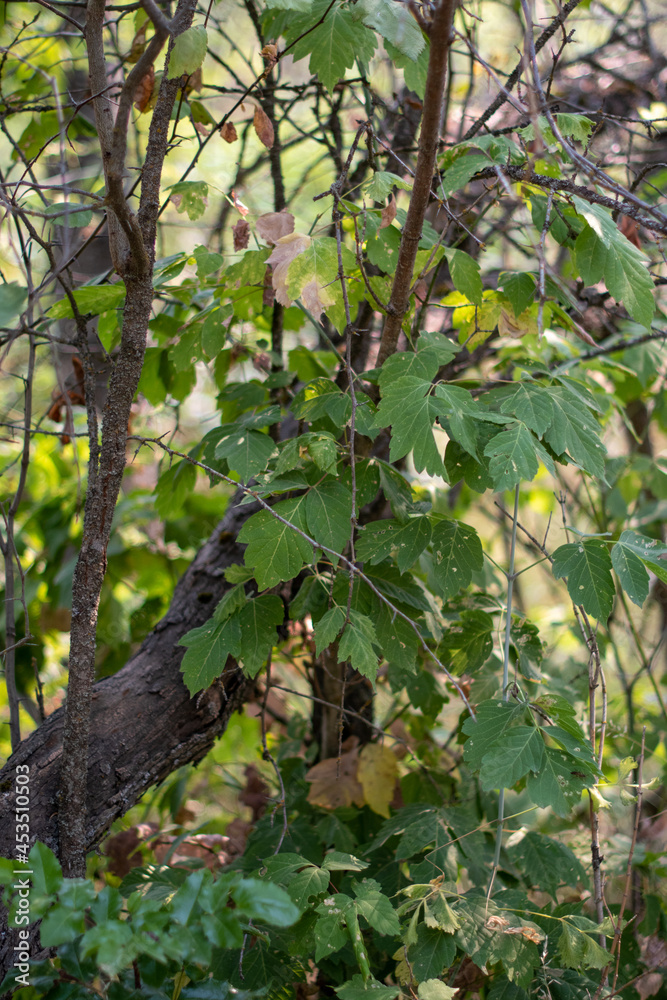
377 775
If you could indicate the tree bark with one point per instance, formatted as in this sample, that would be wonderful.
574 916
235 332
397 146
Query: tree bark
144 723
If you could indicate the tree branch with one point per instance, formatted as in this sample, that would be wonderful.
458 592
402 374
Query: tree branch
441 34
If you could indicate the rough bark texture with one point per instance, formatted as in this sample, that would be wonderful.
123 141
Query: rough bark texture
144 722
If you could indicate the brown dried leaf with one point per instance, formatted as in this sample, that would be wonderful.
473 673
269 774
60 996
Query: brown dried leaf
274 225
284 252
138 44
263 127
122 849
144 90
239 206
212 848
316 298
228 132
241 234
194 81
201 128
630 230
256 792
389 213
270 55
334 782
268 296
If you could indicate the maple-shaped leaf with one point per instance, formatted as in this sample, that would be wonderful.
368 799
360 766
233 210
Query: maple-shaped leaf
328 513
357 644
246 451
333 38
512 457
207 650
313 275
574 430
457 554
327 629
545 863
407 405
275 551
405 542
587 566
558 783
530 403
272 226
258 622
517 752
494 718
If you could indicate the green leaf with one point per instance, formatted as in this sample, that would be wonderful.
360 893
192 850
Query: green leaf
383 182
358 989
333 45
357 645
173 487
587 566
435 989
461 415
578 948
339 861
188 52
414 70
421 364
513 457
398 640
275 551
328 513
404 542
518 751
322 398
530 403
207 650
90 300
258 621
469 641
408 406
396 25
546 864
307 883
247 452
261 900
465 272
13 300
328 628
330 936
462 169
601 250
651 551
433 952
457 554
190 197
372 904
47 876
519 287
575 431
558 783
494 719
503 989
319 262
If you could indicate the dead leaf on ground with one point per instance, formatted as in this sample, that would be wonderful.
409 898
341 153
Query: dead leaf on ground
272 226
263 127
334 782
228 132
285 250
241 234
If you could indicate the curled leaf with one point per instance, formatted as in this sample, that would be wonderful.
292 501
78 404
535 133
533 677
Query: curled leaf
241 233
239 206
144 90
388 213
263 127
286 249
270 55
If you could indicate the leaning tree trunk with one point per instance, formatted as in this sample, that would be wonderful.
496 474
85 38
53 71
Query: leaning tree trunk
144 723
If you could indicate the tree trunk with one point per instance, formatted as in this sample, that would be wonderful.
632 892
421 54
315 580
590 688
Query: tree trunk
144 722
